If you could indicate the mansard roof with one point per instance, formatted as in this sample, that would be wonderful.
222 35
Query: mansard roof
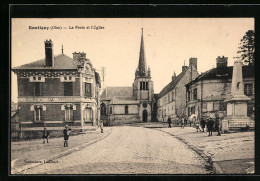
171 85
226 73
61 62
123 93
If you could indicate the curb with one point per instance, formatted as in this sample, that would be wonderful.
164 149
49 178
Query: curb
62 154
216 168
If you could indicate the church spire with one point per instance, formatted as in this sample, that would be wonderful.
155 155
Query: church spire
142 62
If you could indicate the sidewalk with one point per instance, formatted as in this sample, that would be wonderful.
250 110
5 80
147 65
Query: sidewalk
231 153
30 153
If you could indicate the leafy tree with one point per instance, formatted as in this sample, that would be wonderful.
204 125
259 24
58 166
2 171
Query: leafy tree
246 48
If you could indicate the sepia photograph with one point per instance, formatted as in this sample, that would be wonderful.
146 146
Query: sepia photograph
138 96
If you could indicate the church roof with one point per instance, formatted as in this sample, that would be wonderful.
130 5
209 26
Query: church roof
142 69
171 85
123 93
227 72
61 62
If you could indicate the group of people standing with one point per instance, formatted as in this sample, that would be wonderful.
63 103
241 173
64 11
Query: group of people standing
209 122
66 134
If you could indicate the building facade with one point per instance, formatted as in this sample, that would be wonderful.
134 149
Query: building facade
130 104
172 99
58 90
208 92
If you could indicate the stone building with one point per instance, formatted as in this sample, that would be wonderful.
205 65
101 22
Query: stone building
58 90
130 104
208 92
172 98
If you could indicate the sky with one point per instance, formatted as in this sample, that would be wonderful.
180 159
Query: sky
115 45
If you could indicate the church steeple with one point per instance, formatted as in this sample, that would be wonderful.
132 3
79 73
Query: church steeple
142 69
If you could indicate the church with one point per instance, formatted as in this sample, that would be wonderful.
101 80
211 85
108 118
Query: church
120 105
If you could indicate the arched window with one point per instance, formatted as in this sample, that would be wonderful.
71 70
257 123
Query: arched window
126 109
103 109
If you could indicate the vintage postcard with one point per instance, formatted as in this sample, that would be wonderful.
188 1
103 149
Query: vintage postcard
132 96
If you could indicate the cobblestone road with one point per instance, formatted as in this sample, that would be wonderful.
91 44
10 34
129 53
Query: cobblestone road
129 150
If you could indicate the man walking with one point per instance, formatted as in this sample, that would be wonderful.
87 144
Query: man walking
169 122
66 133
210 125
45 135
202 123
217 126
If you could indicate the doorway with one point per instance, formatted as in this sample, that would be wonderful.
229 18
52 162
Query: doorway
145 115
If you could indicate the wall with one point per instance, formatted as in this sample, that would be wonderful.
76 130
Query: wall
120 109
51 87
177 106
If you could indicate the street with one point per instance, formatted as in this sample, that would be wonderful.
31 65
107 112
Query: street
129 150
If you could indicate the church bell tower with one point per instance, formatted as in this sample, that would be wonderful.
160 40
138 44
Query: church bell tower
143 85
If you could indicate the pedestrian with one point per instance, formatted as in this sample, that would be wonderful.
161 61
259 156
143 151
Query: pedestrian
185 120
66 133
210 125
182 122
45 135
169 122
217 125
101 126
197 123
202 123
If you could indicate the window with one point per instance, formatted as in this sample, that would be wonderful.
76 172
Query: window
88 89
68 113
204 106
37 89
68 89
248 89
169 97
216 106
111 111
222 106
103 109
172 95
188 95
146 86
126 109
141 86
193 110
38 113
195 94
145 105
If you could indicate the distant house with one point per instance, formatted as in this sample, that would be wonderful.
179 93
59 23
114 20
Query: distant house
207 92
58 90
172 98
132 104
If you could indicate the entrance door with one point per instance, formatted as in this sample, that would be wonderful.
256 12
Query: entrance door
88 115
145 116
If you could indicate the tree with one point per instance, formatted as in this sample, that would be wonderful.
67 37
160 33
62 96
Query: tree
246 48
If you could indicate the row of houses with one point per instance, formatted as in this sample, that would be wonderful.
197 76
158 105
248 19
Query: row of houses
203 94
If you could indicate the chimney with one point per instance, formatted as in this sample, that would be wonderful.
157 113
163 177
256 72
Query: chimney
174 77
78 56
221 62
184 67
193 61
221 66
49 57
